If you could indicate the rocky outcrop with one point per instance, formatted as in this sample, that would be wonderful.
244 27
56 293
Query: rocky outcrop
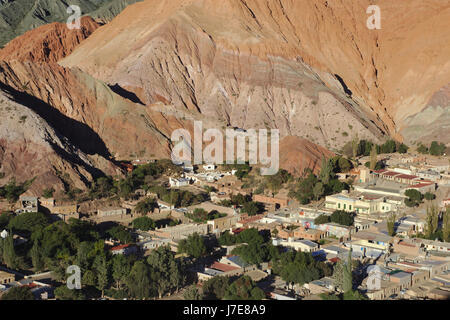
295 65
48 43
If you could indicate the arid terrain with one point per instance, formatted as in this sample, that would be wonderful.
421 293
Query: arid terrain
311 69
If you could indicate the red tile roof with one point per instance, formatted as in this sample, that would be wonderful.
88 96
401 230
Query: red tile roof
407 176
391 173
239 230
222 267
123 246
420 185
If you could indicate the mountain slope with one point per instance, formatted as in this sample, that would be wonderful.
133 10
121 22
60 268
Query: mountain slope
19 16
259 63
48 43
31 148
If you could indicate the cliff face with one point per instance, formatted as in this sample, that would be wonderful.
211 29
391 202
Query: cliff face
296 65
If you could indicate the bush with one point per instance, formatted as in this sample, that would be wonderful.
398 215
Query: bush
145 206
48 193
414 197
322 219
342 217
144 224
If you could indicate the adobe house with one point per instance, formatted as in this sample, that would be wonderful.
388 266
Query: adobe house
277 203
6 277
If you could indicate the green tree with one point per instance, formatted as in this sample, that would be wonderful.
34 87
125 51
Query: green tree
326 171
348 274
29 222
338 274
18 293
9 253
446 225
144 224
64 293
432 221
5 217
322 219
121 234
355 144
215 288
252 253
437 149
244 289
422 149
402 148
36 256
166 272
13 191
194 246
414 197
121 267
252 208
391 224
102 271
138 281
145 206
227 239
345 165
192 293
389 147
89 279
342 217
354 295
373 158
319 190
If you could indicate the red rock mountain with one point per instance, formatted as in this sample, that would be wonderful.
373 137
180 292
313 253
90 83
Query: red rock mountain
310 68
264 62
48 43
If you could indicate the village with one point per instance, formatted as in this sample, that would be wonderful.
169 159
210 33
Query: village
378 223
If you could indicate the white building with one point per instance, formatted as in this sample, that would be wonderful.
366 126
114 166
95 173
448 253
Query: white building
178 183
362 203
299 245
209 167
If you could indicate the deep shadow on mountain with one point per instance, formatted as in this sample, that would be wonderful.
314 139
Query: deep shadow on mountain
125 94
79 134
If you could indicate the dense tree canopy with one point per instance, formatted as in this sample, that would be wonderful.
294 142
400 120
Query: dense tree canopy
244 289
194 246
18 293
